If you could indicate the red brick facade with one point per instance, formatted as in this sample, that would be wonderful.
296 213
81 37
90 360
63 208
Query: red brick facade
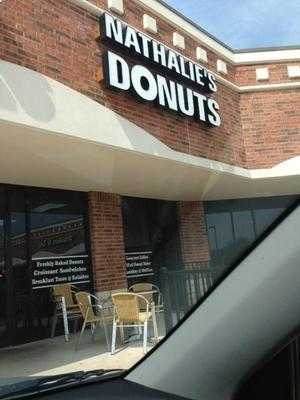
62 41
107 243
193 235
246 75
258 130
271 127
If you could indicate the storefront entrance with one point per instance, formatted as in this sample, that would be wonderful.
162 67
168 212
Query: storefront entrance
38 228
151 236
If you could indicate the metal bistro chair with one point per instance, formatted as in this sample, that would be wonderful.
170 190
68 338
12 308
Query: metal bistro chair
90 317
129 313
65 307
151 292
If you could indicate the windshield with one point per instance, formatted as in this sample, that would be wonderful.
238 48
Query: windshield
138 165
174 252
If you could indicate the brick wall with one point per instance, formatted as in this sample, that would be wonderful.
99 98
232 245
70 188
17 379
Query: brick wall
61 40
193 234
106 230
246 74
271 127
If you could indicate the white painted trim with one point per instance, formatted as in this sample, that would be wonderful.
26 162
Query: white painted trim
263 57
116 6
269 87
88 6
262 74
254 57
149 24
191 30
178 40
221 66
201 54
259 87
235 58
293 71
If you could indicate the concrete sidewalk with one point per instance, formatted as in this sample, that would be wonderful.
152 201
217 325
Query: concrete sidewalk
55 356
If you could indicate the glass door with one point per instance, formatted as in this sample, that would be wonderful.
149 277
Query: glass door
3 274
19 283
43 241
58 242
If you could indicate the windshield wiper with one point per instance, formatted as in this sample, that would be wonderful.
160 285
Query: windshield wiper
40 385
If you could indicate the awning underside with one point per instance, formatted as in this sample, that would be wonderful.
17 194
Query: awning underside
52 136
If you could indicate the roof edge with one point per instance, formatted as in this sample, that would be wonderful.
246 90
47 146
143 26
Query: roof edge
228 47
187 19
260 49
234 56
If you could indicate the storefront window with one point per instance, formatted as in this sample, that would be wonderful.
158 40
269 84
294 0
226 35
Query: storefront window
3 308
57 225
16 201
57 237
43 242
151 238
220 234
136 224
262 217
2 233
233 225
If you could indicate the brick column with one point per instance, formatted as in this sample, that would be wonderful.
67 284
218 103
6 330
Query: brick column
107 242
193 234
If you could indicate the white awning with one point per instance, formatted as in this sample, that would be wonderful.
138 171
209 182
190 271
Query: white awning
52 136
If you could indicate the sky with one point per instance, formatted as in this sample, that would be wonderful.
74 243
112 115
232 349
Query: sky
246 23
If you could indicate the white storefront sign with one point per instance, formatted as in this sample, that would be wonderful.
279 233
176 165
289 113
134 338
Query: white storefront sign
175 83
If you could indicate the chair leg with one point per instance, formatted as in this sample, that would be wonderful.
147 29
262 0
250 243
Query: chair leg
113 339
54 323
93 328
106 336
75 327
65 318
122 334
145 336
80 336
154 320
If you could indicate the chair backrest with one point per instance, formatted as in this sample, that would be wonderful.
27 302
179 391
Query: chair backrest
85 306
64 290
142 288
146 287
127 306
